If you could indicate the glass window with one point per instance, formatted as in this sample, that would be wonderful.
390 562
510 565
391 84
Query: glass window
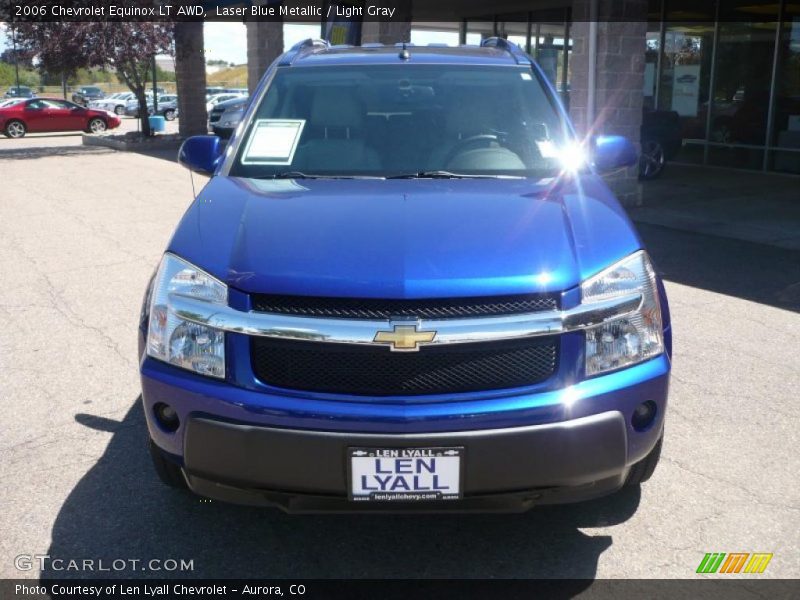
743 73
381 121
685 75
786 124
652 48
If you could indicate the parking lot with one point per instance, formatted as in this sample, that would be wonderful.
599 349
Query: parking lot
81 230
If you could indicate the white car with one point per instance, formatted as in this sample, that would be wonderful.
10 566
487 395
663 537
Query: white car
114 103
217 98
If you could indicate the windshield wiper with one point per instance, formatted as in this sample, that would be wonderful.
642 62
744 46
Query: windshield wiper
449 175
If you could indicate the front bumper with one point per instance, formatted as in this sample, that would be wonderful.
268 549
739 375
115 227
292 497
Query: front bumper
300 470
522 448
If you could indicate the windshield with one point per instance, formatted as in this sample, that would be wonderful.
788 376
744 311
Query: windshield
403 120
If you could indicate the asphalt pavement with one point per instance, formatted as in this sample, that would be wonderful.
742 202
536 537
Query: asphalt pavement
81 230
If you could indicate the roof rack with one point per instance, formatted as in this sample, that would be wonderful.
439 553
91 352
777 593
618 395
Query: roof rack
510 47
308 46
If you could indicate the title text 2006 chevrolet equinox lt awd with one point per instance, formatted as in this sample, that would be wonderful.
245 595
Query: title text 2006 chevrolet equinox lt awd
405 287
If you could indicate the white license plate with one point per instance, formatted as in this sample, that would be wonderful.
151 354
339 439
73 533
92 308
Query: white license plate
405 474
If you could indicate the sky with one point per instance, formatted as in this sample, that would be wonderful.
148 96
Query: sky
228 41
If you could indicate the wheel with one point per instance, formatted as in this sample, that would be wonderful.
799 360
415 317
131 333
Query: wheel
15 129
97 125
652 159
643 470
722 133
168 472
119 110
169 114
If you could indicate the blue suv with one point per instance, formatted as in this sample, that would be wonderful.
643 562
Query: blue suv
405 287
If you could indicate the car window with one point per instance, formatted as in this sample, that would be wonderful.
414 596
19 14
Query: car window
50 103
387 120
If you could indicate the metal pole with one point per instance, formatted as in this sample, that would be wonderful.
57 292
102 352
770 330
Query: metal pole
16 57
155 95
565 59
773 86
592 78
659 61
711 86
528 31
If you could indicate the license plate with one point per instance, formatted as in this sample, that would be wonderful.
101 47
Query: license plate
405 474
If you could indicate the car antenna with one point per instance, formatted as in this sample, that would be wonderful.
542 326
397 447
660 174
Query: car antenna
404 55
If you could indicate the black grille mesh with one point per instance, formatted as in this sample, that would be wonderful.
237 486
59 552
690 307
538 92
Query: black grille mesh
368 308
376 371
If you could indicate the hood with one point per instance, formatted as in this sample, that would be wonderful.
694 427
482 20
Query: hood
403 238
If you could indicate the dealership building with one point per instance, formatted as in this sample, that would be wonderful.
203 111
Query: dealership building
729 68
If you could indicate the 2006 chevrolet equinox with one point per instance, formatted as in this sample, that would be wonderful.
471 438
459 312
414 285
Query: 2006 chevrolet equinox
405 287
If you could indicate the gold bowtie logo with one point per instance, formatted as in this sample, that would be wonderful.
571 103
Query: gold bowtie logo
404 338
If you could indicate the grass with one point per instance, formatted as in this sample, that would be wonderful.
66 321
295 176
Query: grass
235 77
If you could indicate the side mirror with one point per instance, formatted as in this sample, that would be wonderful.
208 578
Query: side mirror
201 153
612 152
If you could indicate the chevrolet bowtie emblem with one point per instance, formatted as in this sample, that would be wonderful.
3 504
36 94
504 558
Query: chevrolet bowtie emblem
404 338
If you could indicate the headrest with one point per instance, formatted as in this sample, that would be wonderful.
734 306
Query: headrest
336 107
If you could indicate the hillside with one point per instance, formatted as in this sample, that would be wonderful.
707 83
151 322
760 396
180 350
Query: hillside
232 77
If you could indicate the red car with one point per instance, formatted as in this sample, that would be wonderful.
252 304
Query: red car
36 115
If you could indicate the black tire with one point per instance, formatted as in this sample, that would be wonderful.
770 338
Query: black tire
643 470
169 114
168 472
119 110
15 129
652 160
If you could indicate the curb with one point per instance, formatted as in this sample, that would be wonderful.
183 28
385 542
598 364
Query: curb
154 143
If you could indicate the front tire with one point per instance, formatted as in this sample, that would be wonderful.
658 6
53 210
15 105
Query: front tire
643 470
168 472
15 129
97 125
119 110
169 115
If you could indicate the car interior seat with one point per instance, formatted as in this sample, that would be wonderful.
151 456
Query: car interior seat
334 137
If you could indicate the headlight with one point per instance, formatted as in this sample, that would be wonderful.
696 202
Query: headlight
635 337
182 343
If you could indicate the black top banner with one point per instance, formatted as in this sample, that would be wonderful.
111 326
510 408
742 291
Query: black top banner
317 11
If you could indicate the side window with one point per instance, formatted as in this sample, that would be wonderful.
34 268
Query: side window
35 105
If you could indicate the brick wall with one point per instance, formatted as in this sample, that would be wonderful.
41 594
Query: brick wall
619 78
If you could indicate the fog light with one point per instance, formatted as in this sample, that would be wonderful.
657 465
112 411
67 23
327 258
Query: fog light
644 415
166 416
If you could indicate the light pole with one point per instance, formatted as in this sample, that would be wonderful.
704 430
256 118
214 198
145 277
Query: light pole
155 95
16 57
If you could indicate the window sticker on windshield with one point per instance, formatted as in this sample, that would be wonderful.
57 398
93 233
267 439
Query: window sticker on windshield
526 76
273 142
